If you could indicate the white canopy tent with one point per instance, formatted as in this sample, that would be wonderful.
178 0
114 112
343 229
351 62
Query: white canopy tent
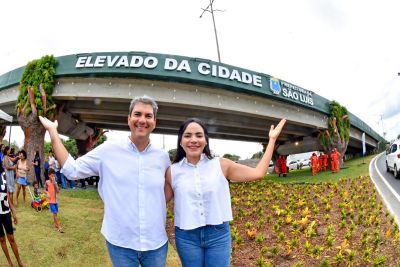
9 118
5 116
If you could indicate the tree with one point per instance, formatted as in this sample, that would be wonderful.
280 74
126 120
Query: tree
34 99
101 140
257 155
2 132
91 142
171 154
275 154
338 133
231 157
70 145
14 145
47 148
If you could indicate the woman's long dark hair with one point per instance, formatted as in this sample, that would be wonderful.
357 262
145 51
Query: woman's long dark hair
5 151
180 153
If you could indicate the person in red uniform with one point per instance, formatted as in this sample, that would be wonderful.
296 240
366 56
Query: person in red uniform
279 165
282 168
314 164
335 155
320 161
325 161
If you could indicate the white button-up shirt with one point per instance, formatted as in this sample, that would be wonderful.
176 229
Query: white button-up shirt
131 186
201 194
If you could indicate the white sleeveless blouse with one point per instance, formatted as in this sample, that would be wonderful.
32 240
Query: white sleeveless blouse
201 194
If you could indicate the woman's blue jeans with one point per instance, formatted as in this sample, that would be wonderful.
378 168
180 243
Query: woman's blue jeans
126 257
38 179
205 246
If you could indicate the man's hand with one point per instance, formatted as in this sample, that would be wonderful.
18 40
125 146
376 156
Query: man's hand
48 124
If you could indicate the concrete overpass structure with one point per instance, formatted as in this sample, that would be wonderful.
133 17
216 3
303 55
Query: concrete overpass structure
238 104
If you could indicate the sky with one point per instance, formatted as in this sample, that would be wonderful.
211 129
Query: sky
348 51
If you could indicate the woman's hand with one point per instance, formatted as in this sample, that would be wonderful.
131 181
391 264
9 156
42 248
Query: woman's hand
275 131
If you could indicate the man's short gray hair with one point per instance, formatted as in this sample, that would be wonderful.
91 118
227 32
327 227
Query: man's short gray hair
145 100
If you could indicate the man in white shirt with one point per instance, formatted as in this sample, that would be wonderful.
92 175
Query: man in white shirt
131 186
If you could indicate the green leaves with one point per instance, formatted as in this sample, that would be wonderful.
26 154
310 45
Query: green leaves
39 71
338 126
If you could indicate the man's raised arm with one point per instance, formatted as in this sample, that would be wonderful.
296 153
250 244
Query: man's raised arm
59 149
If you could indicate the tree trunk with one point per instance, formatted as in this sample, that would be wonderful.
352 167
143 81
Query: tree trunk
81 146
34 140
2 132
275 156
342 147
84 146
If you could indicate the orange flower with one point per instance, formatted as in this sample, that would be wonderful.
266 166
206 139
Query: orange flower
388 234
345 244
252 233
306 212
304 221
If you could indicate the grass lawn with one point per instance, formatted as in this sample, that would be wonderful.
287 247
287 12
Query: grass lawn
353 168
81 214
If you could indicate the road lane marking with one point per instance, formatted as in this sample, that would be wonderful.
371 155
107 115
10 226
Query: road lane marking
373 161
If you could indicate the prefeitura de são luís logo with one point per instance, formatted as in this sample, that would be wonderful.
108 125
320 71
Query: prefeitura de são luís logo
275 85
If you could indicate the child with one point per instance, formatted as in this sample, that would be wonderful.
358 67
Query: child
51 189
36 189
6 211
38 197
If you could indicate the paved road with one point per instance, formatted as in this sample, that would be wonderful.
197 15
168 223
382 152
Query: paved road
387 186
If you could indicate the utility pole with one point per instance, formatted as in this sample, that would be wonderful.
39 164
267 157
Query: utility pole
215 28
383 129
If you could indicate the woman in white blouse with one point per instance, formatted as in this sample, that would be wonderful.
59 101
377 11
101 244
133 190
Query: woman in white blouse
202 204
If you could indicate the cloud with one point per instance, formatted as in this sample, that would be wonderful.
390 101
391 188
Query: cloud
392 127
331 13
386 100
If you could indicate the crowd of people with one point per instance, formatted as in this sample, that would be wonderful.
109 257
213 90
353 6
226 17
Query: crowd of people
320 163
142 175
7 210
317 163
14 168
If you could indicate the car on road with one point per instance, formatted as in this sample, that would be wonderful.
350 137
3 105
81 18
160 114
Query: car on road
293 165
305 163
271 167
393 159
